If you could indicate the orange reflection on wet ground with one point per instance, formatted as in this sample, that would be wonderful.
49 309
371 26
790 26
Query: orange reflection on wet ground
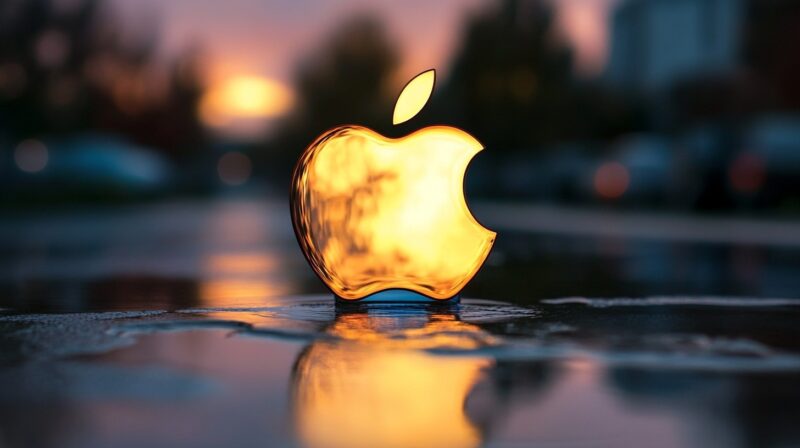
231 291
373 386
241 263
236 279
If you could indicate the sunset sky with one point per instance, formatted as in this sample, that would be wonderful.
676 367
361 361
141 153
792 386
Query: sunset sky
267 38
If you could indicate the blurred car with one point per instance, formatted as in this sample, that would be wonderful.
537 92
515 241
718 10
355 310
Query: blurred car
91 165
702 155
521 175
569 172
558 173
640 171
768 166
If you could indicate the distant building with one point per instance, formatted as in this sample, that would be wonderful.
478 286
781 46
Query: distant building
657 42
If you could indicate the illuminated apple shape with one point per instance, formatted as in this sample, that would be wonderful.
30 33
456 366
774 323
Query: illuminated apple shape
373 214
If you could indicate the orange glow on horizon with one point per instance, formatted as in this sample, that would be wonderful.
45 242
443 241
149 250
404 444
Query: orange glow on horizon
244 97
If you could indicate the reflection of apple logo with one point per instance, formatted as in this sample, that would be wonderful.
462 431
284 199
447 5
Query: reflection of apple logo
371 383
374 214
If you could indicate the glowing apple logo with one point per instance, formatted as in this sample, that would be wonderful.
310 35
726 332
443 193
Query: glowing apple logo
374 214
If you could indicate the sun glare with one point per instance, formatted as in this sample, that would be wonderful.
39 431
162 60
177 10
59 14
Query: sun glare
244 97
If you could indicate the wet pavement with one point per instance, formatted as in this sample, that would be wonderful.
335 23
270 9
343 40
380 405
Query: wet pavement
199 324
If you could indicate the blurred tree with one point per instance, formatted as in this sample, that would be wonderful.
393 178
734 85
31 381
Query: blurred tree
68 66
347 80
770 49
510 82
770 80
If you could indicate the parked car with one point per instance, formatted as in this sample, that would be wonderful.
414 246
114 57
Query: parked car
768 165
702 155
640 171
93 165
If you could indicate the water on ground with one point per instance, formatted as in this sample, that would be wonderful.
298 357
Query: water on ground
199 324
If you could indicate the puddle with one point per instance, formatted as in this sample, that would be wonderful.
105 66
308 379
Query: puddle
735 302
303 372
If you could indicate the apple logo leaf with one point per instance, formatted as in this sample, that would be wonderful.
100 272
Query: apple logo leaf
414 96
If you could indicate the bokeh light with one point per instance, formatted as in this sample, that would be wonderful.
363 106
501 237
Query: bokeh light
747 173
52 49
31 156
611 180
234 168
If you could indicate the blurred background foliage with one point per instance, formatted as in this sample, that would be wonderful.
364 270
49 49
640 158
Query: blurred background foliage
75 70
697 104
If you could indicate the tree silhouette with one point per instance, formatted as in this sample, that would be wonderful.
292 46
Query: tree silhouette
510 82
345 81
772 31
66 67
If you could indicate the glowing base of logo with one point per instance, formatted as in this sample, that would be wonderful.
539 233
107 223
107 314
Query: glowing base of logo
398 296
